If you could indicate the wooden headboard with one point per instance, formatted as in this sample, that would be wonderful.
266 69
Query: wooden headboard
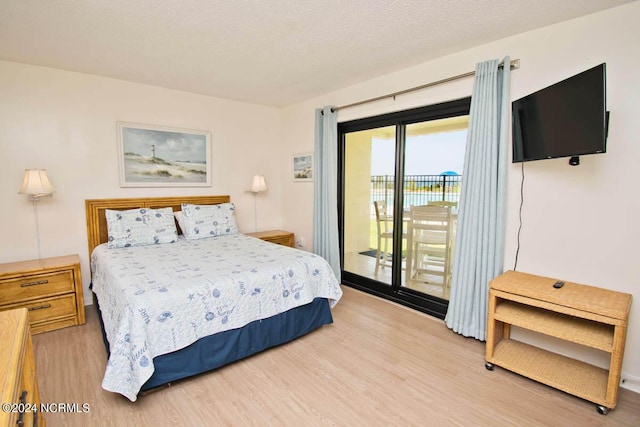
97 221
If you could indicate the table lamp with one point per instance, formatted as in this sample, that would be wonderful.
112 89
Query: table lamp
36 184
258 185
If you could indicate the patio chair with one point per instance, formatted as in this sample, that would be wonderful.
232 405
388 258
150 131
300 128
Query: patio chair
430 240
384 225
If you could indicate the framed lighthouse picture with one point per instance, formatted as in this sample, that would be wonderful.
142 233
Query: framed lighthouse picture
158 156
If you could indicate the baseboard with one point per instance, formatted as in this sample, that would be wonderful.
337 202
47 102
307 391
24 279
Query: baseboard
630 383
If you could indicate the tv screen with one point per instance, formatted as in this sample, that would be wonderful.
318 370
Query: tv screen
566 119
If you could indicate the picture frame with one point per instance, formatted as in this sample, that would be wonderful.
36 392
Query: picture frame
302 167
160 156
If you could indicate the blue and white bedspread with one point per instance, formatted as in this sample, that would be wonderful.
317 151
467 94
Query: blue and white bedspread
157 299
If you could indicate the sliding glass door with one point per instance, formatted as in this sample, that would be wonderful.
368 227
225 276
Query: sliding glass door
389 164
368 192
433 172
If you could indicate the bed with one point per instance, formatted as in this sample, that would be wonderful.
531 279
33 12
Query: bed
172 310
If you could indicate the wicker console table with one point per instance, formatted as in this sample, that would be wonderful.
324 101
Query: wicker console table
582 314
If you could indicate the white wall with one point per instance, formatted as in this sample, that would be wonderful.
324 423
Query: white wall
66 123
579 222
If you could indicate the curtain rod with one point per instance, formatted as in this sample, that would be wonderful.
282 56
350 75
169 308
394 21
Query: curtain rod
514 65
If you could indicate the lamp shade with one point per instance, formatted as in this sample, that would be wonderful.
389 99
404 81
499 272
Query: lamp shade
258 184
36 183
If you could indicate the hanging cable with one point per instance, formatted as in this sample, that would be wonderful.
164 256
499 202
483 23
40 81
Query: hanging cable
515 265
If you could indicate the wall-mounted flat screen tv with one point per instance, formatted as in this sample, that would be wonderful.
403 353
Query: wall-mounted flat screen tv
567 119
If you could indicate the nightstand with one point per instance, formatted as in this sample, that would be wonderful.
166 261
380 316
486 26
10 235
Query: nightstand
279 237
49 288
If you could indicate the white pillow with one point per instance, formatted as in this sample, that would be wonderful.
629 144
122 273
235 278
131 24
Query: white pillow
180 218
138 227
202 221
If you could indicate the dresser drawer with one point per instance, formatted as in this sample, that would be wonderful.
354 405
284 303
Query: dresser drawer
27 387
285 240
35 286
279 237
18 384
48 308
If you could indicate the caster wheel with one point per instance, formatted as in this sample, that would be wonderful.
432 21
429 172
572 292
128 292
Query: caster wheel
602 410
489 366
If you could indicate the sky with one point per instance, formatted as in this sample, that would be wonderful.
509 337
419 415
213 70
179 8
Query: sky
175 146
429 154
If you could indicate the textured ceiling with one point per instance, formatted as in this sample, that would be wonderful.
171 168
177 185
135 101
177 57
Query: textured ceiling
272 52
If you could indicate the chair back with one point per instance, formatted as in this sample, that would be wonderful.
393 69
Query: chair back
430 238
383 220
430 221
443 203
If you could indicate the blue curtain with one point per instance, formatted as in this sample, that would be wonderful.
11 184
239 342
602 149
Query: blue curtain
479 250
325 194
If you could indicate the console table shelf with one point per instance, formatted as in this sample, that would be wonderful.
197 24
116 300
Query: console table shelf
586 315
572 376
574 329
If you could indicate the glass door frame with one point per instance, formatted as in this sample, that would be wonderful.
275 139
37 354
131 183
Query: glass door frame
429 304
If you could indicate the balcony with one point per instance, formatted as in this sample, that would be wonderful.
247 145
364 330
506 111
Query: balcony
418 189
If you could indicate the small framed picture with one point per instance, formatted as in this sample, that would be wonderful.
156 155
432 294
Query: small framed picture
302 167
158 156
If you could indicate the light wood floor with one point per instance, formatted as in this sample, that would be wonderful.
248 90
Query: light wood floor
379 364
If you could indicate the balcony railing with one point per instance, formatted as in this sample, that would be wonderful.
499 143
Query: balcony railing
418 189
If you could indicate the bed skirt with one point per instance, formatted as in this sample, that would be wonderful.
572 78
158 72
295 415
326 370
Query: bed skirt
229 346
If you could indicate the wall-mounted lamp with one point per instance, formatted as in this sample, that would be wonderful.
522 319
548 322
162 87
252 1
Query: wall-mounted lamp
258 185
36 184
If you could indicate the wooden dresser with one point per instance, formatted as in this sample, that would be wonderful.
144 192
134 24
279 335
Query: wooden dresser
18 385
279 237
49 288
